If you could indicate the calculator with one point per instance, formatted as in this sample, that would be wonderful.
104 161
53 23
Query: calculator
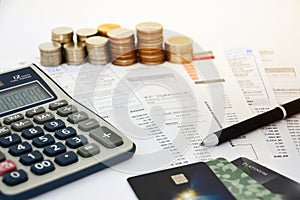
48 139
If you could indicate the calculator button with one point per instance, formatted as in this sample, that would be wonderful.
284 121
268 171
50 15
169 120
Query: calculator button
54 125
66 110
13 118
57 104
65 133
10 140
76 141
20 149
4 131
2 156
15 177
35 111
33 132
77 117
88 124
42 167
43 118
88 150
22 124
7 166
54 149
30 158
66 159
106 137
43 141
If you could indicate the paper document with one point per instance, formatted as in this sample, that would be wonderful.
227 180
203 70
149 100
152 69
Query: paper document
253 80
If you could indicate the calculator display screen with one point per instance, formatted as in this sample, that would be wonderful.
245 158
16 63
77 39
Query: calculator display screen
21 96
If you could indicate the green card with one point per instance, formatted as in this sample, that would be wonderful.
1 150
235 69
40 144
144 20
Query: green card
239 183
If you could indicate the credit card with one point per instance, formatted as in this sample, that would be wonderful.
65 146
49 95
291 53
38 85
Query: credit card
190 182
239 183
275 182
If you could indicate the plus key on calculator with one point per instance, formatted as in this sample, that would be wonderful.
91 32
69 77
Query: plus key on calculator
48 139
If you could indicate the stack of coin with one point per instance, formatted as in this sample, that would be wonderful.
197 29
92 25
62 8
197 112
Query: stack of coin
103 29
179 49
97 48
75 53
84 33
122 47
62 35
51 54
150 43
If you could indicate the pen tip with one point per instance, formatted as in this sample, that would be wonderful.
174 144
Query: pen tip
202 144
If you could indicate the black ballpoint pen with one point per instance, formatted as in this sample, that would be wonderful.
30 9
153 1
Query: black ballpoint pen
258 121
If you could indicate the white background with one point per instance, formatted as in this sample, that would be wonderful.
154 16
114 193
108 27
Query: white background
264 25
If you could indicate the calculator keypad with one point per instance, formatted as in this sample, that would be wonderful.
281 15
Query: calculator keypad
52 141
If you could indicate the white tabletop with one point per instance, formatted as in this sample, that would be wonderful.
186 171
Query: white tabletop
264 25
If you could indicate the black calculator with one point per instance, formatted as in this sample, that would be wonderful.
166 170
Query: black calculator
47 139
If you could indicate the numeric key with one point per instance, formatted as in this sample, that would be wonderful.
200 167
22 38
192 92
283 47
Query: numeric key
54 125
32 132
42 167
20 149
43 141
15 177
10 140
54 149
30 158
76 141
65 133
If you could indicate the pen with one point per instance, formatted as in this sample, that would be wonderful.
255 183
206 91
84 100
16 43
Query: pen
278 113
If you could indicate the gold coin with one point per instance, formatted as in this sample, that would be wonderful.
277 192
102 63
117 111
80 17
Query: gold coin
179 40
104 28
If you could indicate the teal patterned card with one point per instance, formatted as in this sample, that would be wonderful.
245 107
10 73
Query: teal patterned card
239 183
